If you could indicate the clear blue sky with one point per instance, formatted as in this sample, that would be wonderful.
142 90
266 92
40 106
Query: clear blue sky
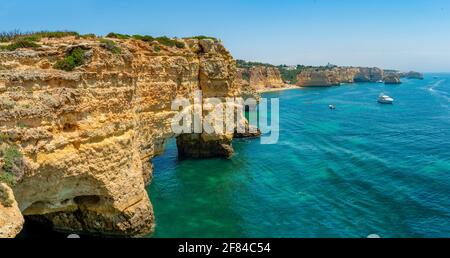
406 35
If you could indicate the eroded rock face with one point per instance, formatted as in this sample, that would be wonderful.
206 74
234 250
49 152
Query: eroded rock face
11 220
88 136
335 76
260 77
392 78
373 74
317 78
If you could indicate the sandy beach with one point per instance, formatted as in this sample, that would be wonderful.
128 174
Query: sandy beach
287 87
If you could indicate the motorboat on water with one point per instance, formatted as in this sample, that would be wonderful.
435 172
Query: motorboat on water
380 81
385 99
332 107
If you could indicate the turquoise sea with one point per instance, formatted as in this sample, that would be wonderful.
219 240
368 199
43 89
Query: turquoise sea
364 168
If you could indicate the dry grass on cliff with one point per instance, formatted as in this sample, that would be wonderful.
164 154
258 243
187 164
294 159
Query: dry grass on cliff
19 43
36 36
19 39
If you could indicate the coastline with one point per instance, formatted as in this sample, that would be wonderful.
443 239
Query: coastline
288 87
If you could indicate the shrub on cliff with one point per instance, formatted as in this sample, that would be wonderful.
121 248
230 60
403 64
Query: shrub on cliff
145 38
70 62
166 41
110 46
89 36
11 160
19 43
118 36
170 42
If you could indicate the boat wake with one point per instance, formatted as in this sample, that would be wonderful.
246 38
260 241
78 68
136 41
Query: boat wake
440 94
434 85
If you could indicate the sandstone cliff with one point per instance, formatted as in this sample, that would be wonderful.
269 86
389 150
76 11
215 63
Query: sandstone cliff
311 78
336 75
260 77
87 136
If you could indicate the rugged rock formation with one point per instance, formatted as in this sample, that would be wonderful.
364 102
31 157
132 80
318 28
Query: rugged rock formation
412 75
11 220
373 74
337 75
312 77
87 136
392 78
204 146
260 77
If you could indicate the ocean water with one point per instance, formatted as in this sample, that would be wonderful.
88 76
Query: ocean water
364 168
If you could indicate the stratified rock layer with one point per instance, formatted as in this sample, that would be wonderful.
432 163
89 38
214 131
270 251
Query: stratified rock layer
334 76
88 136
260 77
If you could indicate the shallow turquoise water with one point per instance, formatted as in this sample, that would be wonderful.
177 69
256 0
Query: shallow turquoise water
364 168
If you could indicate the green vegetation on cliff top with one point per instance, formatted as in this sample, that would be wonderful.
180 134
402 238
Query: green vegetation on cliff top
162 40
71 61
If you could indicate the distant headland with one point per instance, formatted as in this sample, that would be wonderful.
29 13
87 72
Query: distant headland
261 77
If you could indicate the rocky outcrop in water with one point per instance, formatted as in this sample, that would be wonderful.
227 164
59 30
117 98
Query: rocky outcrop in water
392 78
412 75
87 136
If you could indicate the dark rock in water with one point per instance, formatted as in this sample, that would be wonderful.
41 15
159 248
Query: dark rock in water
248 134
198 146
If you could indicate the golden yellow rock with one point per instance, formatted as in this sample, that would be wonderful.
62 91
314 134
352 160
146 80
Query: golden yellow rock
88 135
11 220
260 77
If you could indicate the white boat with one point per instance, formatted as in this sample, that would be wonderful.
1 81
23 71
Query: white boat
385 99
380 81
332 107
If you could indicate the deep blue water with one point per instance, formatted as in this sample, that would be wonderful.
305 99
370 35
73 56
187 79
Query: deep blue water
364 168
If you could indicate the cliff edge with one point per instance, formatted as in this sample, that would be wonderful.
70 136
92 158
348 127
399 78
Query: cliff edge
87 115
